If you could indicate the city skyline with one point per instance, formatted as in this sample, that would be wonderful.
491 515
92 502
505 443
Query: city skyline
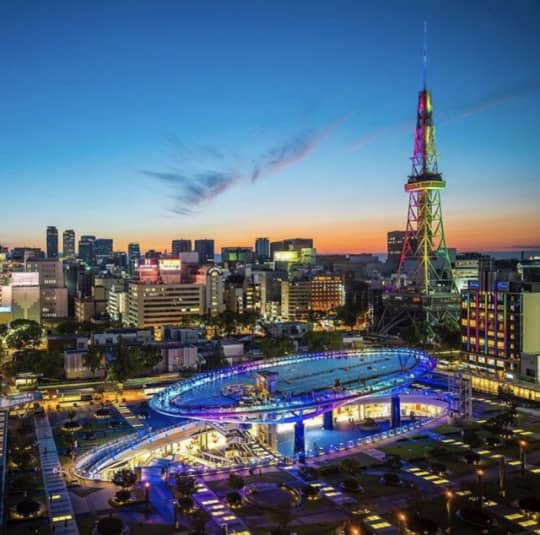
323 152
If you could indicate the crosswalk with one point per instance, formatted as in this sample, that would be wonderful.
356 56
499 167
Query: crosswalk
59 504
129 416
374 522
220 513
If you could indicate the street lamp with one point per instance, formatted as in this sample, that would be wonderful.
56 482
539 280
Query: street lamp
402 522
449 498
479 475
147 494
522 446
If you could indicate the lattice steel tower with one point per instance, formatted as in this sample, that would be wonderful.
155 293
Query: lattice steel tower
425 245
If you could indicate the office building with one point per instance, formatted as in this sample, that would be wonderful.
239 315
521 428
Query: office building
148 270
394 245
154 305
170 270
134 253
232 256
103 247
68 243
53 294
180 246
499 322
205 248
52 242
25 296
87 252
327 293
295 300
262 249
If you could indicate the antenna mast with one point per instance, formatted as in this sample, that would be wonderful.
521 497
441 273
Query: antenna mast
425 54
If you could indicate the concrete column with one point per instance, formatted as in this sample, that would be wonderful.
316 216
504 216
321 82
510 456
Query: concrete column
299 440
395 412
328 420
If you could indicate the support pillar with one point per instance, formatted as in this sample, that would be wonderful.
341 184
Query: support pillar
395 412
328 420
300 441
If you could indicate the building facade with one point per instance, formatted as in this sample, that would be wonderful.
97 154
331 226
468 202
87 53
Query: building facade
52 242
154 305
68 243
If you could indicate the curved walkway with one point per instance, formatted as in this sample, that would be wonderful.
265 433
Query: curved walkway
60 509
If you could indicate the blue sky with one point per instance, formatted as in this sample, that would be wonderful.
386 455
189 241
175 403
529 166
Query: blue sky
116 116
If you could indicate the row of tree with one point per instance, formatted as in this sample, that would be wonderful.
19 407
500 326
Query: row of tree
124 361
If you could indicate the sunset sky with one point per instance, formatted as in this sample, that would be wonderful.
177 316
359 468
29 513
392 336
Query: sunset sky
148 121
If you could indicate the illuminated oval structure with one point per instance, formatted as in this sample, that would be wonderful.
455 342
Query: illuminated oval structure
293 387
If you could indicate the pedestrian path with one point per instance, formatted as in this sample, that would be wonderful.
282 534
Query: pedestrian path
374 522
219 512
508 513
59 504
129 416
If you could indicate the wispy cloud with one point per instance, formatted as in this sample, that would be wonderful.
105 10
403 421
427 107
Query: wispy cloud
191 191
292 150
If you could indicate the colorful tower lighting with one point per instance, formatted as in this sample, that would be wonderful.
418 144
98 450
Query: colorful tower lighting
425 244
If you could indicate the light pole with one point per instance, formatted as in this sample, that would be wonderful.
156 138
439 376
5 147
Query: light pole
449 498
502 476
522 446
402 523
479 475
147 495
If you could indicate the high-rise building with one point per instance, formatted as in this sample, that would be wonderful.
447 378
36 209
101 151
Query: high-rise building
87 252
394 245
134 253
53 293
68 243
499 322
25 296
236 255
262 249
180 246
205 248
103 247
212 279
295 300
52 242
154 305
327 293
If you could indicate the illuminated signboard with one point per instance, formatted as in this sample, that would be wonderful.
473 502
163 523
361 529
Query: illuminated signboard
25 279
169 264
285 256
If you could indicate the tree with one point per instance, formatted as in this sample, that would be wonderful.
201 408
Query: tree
149 356
324 340
348 314
125 479
38 361
229 320
94 358
217 360
67 327
24 334
184 486
448 334
415 333
277 347
236 482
